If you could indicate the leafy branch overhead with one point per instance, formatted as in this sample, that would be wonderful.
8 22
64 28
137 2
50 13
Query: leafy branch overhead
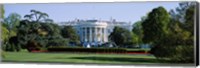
38 16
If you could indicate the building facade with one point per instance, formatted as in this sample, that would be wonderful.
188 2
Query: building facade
95 32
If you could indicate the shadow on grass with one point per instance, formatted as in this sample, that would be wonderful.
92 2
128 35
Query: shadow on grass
119 59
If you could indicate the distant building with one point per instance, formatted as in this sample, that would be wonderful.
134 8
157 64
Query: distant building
95 32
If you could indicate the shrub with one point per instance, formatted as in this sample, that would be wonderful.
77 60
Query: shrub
183 54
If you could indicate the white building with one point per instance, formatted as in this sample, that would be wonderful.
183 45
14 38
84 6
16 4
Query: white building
95 32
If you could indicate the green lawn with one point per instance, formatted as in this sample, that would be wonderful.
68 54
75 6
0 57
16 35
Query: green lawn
79 58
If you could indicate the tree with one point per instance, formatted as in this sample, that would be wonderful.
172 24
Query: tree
178 44
70 33
38 33
4 36
2 11
11 22
155 26
189 19
155 30
37 30
137 32
38 16
185 15
179 12
57 42
49 29
3 27
121 37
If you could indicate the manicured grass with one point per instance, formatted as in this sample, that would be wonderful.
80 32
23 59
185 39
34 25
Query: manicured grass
79 58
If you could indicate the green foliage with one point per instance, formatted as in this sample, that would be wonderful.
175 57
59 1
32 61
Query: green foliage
9 30
35 33
38 16
155 26
41 33
33 45
57 42
177 45
137 33
189 19
121 37
175 51
4 33
185 14
49 29
70 33
2 10
180 12
12 21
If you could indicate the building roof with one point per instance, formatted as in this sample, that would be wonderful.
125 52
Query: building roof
77 21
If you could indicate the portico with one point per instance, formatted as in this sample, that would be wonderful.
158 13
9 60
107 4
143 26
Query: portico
93 33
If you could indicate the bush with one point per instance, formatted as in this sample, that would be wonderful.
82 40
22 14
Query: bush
183 54
178 53
10 47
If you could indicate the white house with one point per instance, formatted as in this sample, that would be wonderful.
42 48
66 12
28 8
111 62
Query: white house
95 32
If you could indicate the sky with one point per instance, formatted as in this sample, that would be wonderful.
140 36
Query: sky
62 12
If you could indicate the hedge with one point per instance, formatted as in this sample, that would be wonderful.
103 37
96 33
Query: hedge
92 50
97 50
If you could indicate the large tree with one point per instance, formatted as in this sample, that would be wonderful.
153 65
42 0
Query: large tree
155 25
10 23
38 16
184 14
178 44
35 32
3 27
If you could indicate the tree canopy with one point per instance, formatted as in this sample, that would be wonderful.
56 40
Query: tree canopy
36 32
38 16
177 43
137 32
70 33
121 37
155 26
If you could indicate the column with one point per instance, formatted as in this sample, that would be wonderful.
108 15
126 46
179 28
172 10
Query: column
85 35
105 35
93 34
82 38
100 32
96 38
90 34
103 39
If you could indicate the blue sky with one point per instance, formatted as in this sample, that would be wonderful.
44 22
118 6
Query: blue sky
60 12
